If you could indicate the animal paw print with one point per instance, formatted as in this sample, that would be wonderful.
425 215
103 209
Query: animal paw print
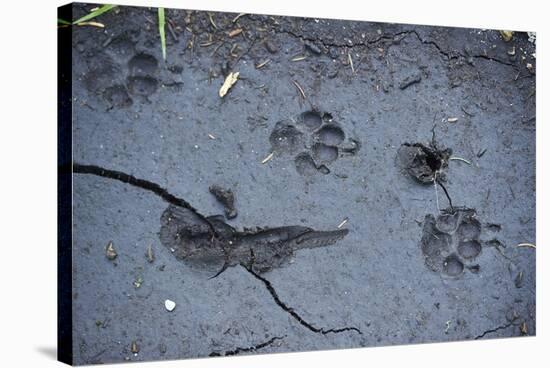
451 242
314 138
121 78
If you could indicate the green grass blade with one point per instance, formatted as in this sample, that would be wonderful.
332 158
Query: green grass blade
101 10
161 32
63 21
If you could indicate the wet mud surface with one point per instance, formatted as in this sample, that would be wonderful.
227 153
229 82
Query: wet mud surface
383 176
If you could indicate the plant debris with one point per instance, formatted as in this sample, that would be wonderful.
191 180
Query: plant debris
523 328
237 17
299 58
455 158
230 80
300 89
528 245
110 251
235 32
269 157
137 282
344 221
507 35
149 254
262 64
351 63
134 348
93 24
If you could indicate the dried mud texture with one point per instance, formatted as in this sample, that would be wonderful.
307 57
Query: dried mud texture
159 124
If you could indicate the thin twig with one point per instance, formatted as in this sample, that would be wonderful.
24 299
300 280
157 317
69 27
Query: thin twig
212 21
351 63
528 245
343 223
269 157
299 89
262 64
460 159
237 17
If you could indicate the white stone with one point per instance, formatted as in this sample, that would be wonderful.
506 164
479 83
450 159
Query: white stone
170 305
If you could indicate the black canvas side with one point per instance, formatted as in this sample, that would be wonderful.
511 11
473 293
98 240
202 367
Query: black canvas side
64 188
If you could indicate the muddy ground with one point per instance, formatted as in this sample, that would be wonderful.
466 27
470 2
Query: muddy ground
334 101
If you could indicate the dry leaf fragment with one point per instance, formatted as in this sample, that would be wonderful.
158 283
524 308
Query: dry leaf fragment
506 35
230 80
138 281
110 251
523 328
235 32
134 348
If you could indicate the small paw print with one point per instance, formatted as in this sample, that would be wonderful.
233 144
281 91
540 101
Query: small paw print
315 140
451 242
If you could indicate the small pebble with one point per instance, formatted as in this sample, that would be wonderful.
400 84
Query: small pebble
170 305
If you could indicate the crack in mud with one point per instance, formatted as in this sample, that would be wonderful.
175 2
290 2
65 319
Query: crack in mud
493 330
326 44
293 313
449 55
239 350
140 183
